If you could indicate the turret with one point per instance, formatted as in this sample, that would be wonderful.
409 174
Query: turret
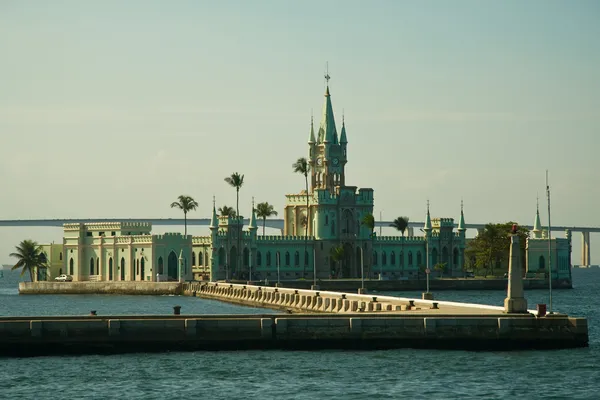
214 222
252 225
343 138
537 226
427 227
461 222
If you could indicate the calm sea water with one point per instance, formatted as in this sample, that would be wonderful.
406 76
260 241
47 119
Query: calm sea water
390 374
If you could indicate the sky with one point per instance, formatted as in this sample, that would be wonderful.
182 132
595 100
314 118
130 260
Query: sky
113 109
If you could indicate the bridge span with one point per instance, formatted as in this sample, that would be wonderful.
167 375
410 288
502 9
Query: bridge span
277 223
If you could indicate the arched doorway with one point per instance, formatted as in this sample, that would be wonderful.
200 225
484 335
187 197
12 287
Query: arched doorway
445 255
143 269
92 266
71 266
233 261
110 269
161 266
172 266
542 263
122 268
347 262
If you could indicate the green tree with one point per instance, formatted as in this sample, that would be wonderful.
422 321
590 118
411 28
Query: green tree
491 246
264 211
337 255
401 223
368 221
185 204
301 166
226 211
441 267
30 258
236 181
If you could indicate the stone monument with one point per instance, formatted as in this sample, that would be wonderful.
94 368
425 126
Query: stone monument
515 301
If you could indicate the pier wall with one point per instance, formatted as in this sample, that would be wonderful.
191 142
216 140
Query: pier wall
318 301
21 336
111 287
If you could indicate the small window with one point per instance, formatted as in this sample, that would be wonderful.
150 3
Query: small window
88 234
100 233
113 233
60 256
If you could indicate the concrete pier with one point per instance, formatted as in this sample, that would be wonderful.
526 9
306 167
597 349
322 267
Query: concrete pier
32 336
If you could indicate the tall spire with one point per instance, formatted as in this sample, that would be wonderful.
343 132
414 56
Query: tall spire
343 138
252 224
428 220
327 130
461 223
213 221
537 226
311 137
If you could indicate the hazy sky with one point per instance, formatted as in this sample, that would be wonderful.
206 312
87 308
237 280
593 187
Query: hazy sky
113 109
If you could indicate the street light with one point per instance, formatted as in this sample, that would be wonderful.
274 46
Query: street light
277 261
427 270
314 265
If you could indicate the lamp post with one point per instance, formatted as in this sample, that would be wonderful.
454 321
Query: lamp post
277 262
427 295
314 265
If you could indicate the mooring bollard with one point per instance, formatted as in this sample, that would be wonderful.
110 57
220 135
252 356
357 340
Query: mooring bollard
434 305
93 312
177 310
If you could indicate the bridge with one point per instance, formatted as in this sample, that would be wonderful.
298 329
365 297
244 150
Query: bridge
277 223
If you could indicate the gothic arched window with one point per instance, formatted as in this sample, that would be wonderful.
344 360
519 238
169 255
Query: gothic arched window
410 259
393 258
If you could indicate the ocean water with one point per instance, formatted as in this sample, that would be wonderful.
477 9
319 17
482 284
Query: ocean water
390 374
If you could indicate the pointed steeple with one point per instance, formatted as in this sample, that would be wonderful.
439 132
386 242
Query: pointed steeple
427 227
252 224
537 226
311 137
214 222
343 138
461 223
327 130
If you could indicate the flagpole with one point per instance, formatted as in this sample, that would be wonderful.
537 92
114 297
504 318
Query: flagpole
549 247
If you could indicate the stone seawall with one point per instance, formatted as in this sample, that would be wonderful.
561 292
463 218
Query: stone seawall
110 287
30 336
351 285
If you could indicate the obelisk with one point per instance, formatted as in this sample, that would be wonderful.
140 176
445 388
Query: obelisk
515 301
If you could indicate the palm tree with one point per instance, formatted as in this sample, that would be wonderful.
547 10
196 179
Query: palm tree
301 166
337 255
226 211
30 257
265 210
236 181
186 204
368 221
401 223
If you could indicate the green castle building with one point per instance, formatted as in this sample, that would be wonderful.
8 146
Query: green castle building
326 217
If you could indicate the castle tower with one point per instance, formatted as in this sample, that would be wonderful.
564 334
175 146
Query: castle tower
328 154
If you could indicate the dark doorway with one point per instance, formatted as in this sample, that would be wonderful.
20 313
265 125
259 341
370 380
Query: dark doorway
172 266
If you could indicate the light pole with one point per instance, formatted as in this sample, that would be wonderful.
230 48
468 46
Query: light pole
427 295
362 269
277 261
314 265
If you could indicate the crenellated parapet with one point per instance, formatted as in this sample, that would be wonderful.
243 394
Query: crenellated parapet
283 239
203 240
442 223
400 239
